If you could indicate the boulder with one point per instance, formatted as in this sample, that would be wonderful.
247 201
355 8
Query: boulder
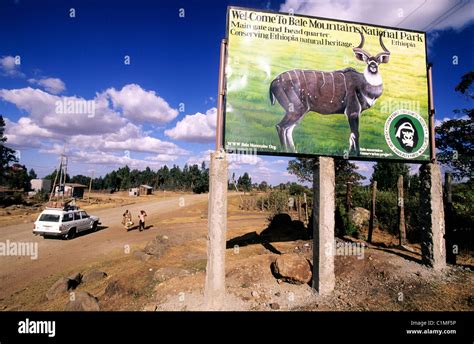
157 246
74 280
61 286
142 256
82 301
114 288
292 268
360 217
167 273
93 275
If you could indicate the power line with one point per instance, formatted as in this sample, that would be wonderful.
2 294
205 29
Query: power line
446 15
408 16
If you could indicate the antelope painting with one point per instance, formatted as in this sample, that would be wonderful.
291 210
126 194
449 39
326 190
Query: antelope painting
344 91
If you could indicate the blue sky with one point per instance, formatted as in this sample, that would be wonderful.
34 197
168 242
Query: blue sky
159 109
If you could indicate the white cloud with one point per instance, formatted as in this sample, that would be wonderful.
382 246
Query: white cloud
9 67
281 162
410 14
145 144
263 170
364 167
204 156
140 105
112 160
103 137
52 85
42 108
438 122
199 127
162 158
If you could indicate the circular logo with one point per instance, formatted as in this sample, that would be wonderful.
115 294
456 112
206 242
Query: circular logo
406 134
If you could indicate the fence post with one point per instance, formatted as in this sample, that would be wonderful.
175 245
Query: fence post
348 197
401 213
298 205
372 212
305 209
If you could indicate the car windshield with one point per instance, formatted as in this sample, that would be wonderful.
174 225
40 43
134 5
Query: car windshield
49 218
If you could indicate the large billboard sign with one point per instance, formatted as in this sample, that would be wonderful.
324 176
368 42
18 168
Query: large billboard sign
298 85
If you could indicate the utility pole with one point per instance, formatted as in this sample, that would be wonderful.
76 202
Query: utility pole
90 187
372 211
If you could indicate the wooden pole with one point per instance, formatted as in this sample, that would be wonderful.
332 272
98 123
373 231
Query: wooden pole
220 97
401 213
431 113
90 187
305 208
298 204
372 212
348 197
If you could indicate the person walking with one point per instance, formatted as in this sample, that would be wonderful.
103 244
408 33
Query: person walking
127 220
141 224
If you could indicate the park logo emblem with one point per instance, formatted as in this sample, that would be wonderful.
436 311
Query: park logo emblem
406 134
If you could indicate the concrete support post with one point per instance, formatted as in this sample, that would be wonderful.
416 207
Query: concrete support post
433 248
323 225
214 289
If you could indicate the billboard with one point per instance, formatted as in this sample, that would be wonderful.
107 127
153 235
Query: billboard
306 86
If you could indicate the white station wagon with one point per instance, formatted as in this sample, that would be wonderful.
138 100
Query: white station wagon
64 223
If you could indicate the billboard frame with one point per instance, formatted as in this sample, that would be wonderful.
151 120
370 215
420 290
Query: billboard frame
222 94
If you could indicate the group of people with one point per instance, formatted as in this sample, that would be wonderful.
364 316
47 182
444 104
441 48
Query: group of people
128 223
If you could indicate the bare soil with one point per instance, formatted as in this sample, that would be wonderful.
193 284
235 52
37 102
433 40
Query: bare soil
385 278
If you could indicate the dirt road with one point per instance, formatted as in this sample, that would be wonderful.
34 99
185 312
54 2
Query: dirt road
55 255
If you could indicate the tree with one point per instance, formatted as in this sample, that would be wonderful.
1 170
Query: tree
244 182
32 174
52 177
386 174
303 169
296 189
202 183
80 179
263 186
455 137
124 175
7 155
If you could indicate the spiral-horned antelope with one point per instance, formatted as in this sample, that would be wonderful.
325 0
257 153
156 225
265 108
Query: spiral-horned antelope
343 91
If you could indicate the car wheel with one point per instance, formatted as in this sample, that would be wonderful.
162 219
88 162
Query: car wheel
94 226
71 234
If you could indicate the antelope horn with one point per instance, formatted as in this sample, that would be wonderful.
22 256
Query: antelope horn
362 40
383 45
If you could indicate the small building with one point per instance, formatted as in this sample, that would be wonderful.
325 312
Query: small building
72 190
145 190
133 192
39 185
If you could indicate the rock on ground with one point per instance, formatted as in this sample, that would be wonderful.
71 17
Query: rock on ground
360 217
82 301
93 275
157 246
167 273
62 285
292 268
